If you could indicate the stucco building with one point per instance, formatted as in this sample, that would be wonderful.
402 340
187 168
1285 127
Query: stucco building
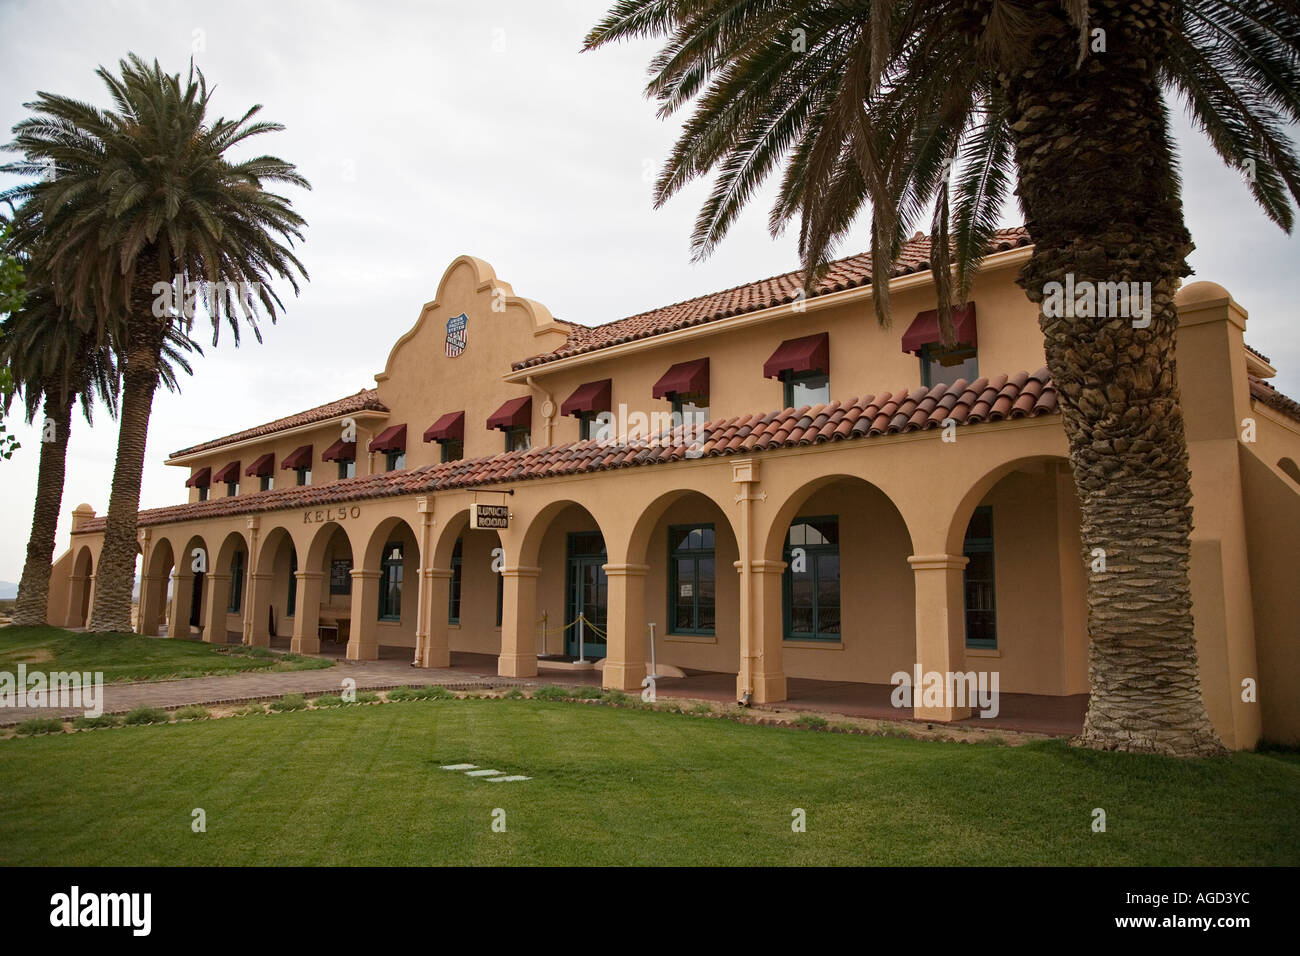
860 501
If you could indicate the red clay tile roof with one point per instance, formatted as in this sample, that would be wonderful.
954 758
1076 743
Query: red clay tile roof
365 400
1258 354
842 274
1266 394
993 399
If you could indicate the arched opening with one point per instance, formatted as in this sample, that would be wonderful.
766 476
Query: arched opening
79 590
390 598
475 591
845 610
227 589
692 591
274 605
189 587
565 543
156 590
329 555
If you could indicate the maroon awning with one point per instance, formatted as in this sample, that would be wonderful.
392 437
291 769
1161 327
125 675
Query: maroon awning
226 473
298 458
392 438
200 479
451 427
516 413
262 468
812 353
591 397
684 378
924 329
340 451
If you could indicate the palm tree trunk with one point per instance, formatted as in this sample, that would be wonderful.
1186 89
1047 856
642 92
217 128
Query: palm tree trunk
1102 203
34 586
115 575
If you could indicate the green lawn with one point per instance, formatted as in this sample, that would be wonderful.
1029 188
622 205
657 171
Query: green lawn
129 657
362 785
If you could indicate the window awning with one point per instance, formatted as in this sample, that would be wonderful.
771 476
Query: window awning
812 353
298 458
340 451
392 438
226 473
200 479
924 329
516 413
451 427
684 378
591 397
262 468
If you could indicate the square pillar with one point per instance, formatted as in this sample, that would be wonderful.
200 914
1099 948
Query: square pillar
767 638
178 621
940 627
518 623
153 594
625 643
306 613
363 642
436 601
257 630
217 587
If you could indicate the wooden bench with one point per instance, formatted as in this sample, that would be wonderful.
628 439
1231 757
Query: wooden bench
334 624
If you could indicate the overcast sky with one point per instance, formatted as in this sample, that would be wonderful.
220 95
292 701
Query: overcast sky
432 129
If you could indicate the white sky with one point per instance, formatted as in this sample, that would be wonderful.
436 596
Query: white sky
434 129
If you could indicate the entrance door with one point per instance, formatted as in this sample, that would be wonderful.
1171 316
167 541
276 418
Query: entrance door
196 601
587 593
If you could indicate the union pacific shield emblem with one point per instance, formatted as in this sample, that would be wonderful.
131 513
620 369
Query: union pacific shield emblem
457 335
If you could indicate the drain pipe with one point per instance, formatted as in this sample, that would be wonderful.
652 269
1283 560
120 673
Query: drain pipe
548 406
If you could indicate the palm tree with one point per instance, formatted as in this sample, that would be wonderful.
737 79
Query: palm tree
872 104
58 363
135 204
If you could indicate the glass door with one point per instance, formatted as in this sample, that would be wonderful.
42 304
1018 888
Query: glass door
587 594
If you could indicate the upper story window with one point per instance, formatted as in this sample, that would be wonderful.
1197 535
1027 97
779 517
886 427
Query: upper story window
804 366
690 409
203 492
586 404
589 426
266 482
263 469
228 476
941 365
394 460
518 439
232 489
347 468
299 462
453 450
200 480
392 442
807 388
304 476
449 432
686 385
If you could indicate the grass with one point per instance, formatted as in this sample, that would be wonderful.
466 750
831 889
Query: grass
147 715
129 657
356 786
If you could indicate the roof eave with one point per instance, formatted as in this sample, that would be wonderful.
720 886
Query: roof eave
192 457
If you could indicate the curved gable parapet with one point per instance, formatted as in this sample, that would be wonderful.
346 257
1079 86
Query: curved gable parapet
471 285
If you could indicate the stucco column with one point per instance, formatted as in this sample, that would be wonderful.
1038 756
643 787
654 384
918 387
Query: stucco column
215 601
437 650
767 627
940 626
178 621
518 623
425 506
77 585
625 642
257 630
363 641
306 612
153 592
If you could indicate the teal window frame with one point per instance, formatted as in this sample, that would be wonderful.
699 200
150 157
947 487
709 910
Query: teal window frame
236 598
454 584
974 546
304 476
588 425
694 555
390 581
453 449
347 468
203 492
698 403
803 378
501 596
931 354
265 482
232 489
394 460
813 552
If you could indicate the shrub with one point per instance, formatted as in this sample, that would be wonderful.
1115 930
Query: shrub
431 692
551 692
147 715
292 658
514 693
191 712
702 708
250 710
40 725
613 696
366 697
328 700
811 721
96 723
289 702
